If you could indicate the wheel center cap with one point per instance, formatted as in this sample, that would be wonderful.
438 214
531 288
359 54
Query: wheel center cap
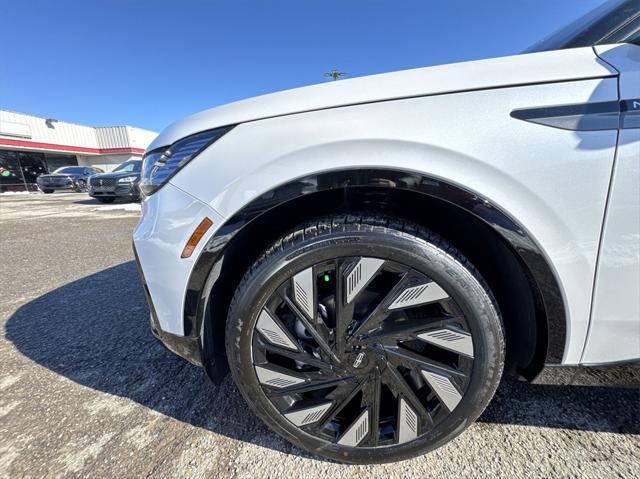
359 361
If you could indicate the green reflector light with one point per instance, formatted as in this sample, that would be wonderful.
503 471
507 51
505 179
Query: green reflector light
326 278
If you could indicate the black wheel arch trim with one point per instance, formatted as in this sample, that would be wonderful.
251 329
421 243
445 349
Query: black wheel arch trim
207 269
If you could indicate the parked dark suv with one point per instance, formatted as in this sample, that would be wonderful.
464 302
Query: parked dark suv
73 178
120 183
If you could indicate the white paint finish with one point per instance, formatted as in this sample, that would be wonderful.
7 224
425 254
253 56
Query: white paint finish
455 341
444 389
419 295
554 182
614 333
626 59
360 276
169 218
303 292
476 75
273 332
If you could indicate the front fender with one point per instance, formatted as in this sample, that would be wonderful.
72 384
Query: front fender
207 271
551 183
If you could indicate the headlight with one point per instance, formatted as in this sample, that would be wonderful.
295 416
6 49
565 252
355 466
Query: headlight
127 179
160 165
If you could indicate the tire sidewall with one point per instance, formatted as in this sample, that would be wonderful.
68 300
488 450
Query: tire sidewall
466 290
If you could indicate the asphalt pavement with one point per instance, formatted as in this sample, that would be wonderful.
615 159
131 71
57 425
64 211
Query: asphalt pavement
86 391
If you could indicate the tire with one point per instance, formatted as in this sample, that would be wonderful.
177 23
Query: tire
105 199
47 192
81 186
386 393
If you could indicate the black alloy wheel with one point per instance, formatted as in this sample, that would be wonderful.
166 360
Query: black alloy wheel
363 342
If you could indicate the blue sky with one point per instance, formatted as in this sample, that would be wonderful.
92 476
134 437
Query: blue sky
108 62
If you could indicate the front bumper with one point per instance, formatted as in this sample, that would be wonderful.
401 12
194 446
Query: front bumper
184 346
70 185
169 218
117 191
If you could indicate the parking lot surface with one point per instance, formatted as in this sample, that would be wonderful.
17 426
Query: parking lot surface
86 391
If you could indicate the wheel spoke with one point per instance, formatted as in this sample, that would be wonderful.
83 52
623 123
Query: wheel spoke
374 320
403 357
303 292
408 329
341 396
421 292
270 327
371 399
310 328
397 384
302 357
370 323
359 275
344 309
313 382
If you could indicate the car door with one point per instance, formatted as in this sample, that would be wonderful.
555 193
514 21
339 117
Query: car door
614 330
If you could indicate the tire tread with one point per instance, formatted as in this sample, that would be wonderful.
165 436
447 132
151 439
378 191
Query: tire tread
326 225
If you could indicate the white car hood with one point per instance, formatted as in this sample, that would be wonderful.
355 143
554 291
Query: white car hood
544 67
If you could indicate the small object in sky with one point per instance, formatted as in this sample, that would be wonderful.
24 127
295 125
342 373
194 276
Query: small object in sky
335 74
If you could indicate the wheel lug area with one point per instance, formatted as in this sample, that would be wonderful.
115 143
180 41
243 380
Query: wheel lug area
359 360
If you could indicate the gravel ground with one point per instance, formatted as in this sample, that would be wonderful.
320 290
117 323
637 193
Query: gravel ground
86 390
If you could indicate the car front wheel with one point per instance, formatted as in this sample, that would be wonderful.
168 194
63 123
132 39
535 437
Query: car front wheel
81 186
365 339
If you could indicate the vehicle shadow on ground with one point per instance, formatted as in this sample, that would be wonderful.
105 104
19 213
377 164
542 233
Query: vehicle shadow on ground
95 332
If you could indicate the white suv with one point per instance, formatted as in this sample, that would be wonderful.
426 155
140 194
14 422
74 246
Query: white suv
368 256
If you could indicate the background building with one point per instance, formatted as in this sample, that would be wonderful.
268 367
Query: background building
32 145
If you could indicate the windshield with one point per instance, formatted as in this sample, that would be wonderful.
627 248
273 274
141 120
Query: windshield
615 21
130 167
70 170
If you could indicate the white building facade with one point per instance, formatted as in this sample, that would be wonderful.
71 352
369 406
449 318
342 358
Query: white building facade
32 145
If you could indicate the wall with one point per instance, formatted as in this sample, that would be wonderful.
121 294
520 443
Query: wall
22 131
37 129
105 162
